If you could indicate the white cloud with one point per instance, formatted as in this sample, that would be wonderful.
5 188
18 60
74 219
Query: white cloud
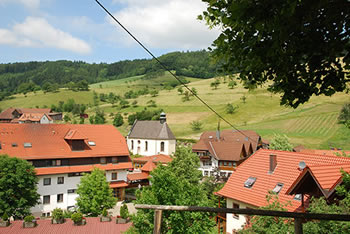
26 3
166 24
37 32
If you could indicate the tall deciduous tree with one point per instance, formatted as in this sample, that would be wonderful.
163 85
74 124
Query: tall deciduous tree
94 193
344 115
18 184
280 142
298 45
118 120
175 184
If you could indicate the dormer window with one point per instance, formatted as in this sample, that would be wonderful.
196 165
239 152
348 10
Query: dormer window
78 145
249 182
278 188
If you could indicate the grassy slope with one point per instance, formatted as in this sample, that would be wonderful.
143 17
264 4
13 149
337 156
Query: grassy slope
313 124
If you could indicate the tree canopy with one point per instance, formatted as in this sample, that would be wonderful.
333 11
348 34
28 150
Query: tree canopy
280 142
300 48
175 184
94 194
18 183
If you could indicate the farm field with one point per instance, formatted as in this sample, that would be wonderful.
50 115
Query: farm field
313 124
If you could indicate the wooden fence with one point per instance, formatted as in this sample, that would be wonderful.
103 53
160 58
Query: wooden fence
298 217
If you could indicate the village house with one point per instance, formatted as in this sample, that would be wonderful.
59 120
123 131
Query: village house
30 115
61 153
294 177
221 152
151 137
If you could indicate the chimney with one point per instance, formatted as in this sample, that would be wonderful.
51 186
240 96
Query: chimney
162 118
273 163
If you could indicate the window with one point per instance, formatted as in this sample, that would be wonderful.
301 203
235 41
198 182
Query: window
14 144
27 145
222 174
46 199
206 163
59 197
114 175
235 206
47 181
132 144
230 164
225 163
162 146
298 197
71 190
103 160
206 173
91 143
211 173
249 182
75 174
60 180
278 188
235 164
78 145
56 162
146 145
114 160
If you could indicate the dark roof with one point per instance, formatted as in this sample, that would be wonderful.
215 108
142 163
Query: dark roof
7 114
149 129
93 225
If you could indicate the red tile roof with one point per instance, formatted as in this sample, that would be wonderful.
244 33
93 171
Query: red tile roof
7 114
285 172
149 166
74 134
118 184
159 158
93 226
83 168
138 176
48 141
34 117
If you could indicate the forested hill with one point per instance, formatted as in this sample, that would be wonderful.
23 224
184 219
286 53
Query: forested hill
31 76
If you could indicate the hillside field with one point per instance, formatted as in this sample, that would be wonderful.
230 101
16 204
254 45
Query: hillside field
313 124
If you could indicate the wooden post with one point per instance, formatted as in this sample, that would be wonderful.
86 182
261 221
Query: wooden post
298 226
157 221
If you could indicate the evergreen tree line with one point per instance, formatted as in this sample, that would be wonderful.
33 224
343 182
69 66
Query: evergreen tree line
49 76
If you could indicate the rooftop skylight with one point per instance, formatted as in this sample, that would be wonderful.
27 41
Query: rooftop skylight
14 144
27 145
297 197
91 143
249 182
278 188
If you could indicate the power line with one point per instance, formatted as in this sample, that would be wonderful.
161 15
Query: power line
173 74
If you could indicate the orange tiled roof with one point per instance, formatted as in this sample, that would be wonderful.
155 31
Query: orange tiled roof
138 176
149 166
82 168
286 172
7 114
159 158
35 117
48 141
118 184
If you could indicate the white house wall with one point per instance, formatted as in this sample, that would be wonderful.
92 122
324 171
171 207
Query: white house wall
232 222
154 146
45 120
69 199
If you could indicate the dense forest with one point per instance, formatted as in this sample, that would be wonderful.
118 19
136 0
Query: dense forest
51 75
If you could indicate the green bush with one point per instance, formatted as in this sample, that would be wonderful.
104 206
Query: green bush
57 213
67 214
104 212
77 217
5 217
29 218
124 213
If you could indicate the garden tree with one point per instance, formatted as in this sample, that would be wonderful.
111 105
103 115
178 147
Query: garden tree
71 86
82 85
145 115
215 84
66 118
118 120
196 125
244 99
231 84
175 184
151 103
95 98
134 103
94 193
124 103
103 97
111 98
99 117
230 109
18 183
180 90
194 91
344 115
280 142
69 105
154 93
298 45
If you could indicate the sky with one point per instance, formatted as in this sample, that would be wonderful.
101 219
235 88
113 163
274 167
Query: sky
79 30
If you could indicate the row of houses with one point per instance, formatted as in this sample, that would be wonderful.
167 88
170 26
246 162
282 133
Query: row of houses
29 115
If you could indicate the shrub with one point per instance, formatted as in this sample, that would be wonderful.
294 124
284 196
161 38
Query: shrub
5 217
196 125
124 213
67 214
29 218
57 213
77 217
104 212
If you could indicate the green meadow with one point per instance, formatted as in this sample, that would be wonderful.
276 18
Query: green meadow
313 124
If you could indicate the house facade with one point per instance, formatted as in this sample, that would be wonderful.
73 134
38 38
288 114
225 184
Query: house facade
273 171
39 118
61 153
150 137
221 152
